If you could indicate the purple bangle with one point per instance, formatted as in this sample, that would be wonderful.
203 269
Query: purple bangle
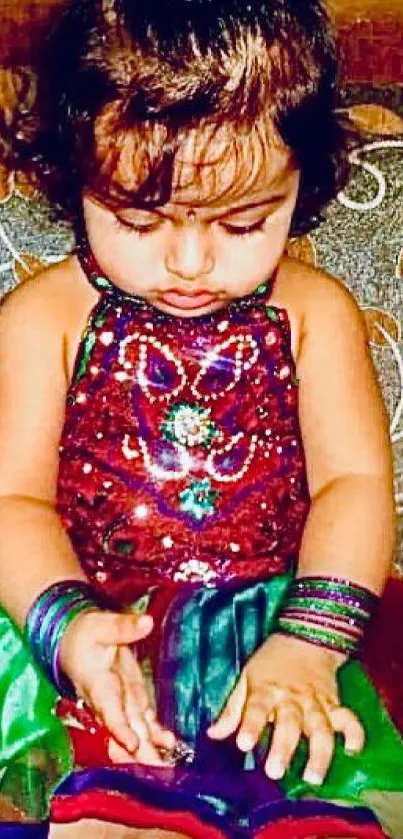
46 639
338 586
74 597
49 595
58 677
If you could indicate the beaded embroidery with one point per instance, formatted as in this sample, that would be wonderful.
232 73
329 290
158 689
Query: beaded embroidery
181 456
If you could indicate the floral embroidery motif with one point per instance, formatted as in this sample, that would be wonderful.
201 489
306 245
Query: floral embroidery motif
189 425
199 499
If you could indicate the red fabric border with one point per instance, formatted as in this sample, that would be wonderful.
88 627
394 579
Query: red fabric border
117 808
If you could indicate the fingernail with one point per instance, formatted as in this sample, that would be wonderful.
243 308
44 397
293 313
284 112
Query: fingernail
245 742
312 778
132 745
170 739
144 620
275 768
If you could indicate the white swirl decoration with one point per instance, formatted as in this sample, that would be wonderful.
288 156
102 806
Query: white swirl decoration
374 171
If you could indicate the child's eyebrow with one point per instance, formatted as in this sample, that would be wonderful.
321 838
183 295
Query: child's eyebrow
252 205
225 212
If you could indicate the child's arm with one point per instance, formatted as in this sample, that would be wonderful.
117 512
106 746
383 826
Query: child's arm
350 529
349 533
35 550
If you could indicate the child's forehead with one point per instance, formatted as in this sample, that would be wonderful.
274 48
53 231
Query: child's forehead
213 166
224 169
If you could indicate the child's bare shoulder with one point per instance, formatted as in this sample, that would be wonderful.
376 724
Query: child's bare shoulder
49 298
314 298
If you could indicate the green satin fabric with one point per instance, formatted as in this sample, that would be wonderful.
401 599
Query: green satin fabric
209 638
35 749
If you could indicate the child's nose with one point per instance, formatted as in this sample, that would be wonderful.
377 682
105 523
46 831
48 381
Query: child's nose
189 253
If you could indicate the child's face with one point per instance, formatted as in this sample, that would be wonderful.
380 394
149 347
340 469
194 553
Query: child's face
220 236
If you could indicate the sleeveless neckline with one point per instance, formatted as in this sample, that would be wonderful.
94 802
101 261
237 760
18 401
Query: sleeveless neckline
105 286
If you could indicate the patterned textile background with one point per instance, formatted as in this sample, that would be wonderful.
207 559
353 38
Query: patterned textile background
361 240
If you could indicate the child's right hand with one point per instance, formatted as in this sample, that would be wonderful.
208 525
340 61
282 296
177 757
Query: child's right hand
96 656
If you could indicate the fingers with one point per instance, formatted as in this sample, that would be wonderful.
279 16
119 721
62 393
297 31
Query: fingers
231 715
345 721
133 677
320 727
111 681
293 715
138 703
139 721
143 754
117 754
113 700
319 732
148 754
160 736
106 697
272 704
256 714
121 629
285 739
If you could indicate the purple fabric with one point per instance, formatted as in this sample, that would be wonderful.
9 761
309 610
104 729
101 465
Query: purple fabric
252 800
24 831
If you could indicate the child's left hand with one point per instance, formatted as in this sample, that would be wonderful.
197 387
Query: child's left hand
292 684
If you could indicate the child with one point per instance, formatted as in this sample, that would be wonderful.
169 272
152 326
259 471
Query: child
195 469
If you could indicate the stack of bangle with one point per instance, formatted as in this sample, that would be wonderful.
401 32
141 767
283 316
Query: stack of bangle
48 618
328 611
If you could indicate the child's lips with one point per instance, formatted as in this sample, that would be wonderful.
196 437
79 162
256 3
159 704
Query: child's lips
190 301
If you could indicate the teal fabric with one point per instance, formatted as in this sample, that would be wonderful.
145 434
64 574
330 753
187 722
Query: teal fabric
208 637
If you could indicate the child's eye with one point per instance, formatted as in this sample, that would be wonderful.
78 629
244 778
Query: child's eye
140 229
244 229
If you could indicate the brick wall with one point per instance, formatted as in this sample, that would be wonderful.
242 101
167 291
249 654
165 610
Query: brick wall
370 35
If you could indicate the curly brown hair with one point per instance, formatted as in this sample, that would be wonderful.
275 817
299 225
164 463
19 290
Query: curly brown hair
158 68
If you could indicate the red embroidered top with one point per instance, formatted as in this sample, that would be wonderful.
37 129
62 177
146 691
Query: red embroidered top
181 456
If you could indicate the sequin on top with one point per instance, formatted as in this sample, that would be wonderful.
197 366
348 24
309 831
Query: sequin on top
181 457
